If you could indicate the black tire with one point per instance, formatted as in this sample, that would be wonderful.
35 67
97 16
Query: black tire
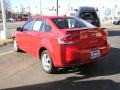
16 48
47 63
118 22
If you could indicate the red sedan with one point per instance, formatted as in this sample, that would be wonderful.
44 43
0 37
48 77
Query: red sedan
61 41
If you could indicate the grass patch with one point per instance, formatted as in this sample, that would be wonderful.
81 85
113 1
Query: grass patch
5 42
1 42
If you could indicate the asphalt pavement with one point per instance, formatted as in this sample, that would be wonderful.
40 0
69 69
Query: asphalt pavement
21 71
11 25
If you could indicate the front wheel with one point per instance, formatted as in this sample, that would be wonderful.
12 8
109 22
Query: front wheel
47 63
16 48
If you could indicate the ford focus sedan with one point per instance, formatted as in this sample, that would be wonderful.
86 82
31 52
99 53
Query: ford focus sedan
61 41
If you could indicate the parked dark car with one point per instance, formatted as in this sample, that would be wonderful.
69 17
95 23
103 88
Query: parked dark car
89 14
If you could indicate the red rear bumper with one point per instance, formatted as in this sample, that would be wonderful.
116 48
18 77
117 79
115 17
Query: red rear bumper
73 56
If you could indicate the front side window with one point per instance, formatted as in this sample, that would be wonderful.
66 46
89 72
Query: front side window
37 25
71 22
28 25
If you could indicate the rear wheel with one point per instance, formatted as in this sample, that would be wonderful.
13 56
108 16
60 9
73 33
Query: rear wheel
47 63
118 22
16 48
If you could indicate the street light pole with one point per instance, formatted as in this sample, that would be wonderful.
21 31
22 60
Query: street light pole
3 33
57 12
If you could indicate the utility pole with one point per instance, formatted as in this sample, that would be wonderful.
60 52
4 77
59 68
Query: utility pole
3 33
40 8
29 10
57 7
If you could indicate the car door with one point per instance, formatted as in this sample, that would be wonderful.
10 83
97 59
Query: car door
40 29
34 37
24 36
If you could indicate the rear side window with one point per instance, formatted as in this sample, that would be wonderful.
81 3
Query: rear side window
45 26
72 22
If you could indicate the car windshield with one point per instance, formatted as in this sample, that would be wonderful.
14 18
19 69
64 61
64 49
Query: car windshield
71 22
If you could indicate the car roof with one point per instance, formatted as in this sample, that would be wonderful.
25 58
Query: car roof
87 9
49 17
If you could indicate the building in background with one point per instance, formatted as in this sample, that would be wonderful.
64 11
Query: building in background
107 9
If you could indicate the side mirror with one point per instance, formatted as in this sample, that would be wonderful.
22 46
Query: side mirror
19 29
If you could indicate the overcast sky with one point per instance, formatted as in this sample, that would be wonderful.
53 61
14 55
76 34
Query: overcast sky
45 4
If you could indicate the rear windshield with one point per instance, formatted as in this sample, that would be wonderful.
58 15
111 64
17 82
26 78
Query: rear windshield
87 15
71 22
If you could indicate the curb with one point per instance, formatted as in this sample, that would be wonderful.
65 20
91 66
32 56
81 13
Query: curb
5 42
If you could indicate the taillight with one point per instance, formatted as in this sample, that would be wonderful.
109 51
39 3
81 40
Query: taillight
83 35
105 32
72 38
102 32
98 34
66 39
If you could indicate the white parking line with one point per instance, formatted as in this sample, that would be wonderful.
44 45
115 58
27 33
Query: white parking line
1 54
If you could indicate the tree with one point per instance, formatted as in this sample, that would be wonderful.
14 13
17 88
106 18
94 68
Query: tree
7 5
7 8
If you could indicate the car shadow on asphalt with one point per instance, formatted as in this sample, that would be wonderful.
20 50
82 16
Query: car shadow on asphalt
109 66
72 83
113 33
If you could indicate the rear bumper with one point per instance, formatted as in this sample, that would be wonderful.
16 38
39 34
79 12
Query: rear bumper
73 56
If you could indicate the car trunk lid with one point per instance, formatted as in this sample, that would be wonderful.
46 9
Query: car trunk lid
86 38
